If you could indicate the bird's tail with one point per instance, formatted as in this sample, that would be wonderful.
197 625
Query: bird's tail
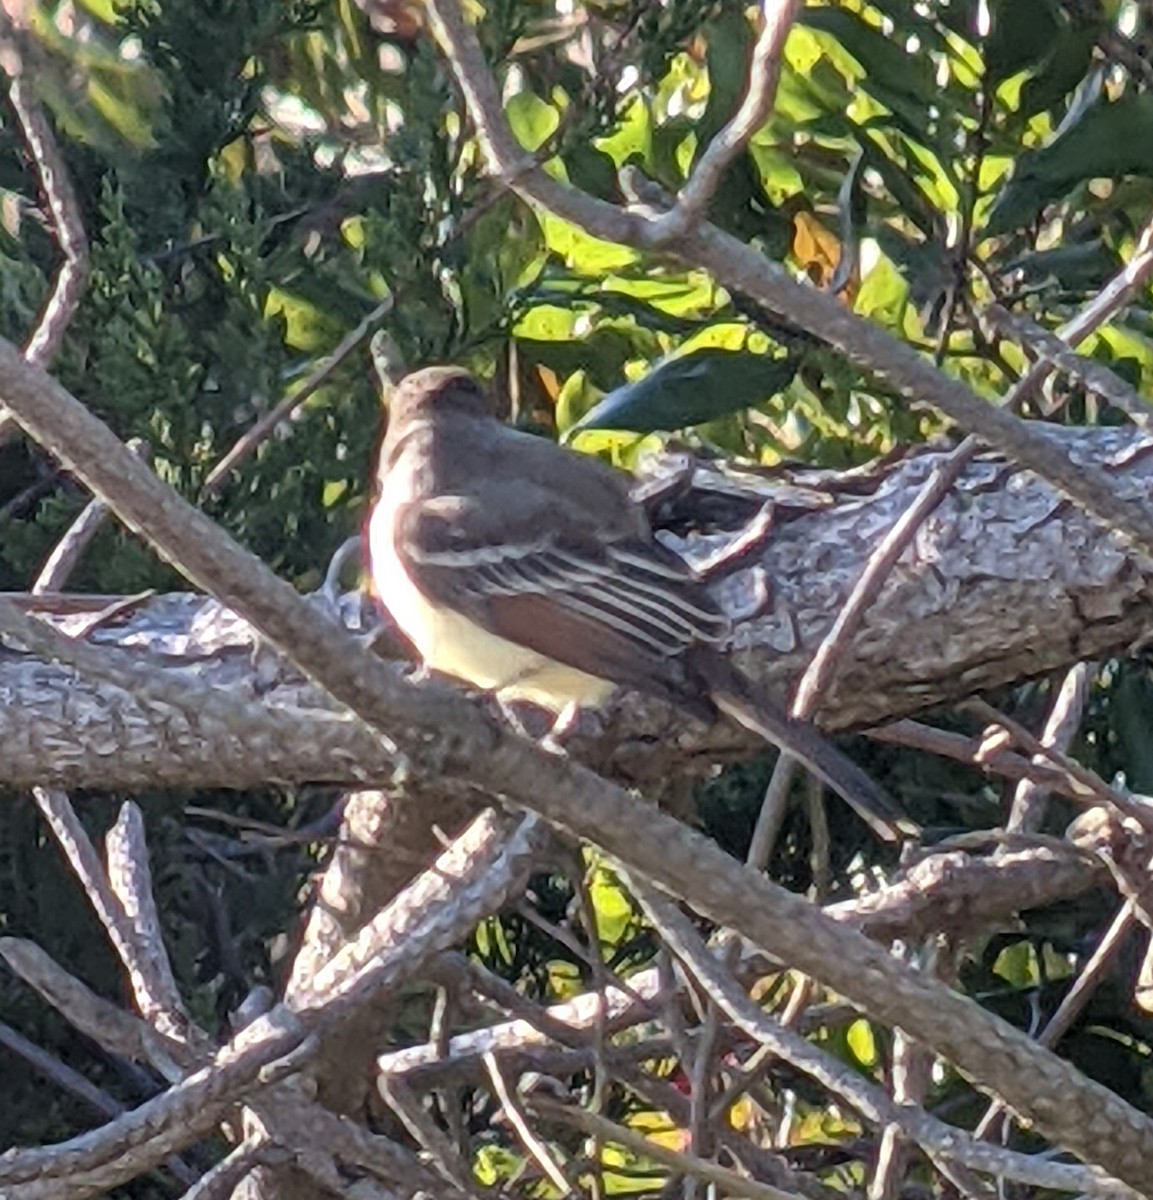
733 695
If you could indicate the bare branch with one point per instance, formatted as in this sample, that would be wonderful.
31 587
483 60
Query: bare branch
445 1157
457 882
1075 999
130 881
442 735
60 1074
959 894
170 1021
1093 789
868 1099
220 1182
1052 349
63 207
513 1113
754 110
1028 809
102 1021
742 268
471 879
247 444
729 1182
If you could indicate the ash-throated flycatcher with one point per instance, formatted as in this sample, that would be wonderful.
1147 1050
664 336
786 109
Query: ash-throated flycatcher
527 569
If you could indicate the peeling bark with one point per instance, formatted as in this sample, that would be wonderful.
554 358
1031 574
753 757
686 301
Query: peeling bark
1006 581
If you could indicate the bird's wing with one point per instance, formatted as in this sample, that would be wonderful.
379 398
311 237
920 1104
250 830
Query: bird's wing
623 608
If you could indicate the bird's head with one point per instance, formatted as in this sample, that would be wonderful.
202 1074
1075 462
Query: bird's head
438 389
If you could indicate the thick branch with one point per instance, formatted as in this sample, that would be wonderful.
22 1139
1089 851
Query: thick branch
440 734
1004 583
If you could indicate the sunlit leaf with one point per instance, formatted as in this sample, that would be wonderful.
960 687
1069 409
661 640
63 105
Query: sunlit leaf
614 909
815 248
862 1043
306 326
883 295
531 119
1017 964
902 81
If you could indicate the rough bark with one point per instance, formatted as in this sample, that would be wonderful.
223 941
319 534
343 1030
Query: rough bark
1005 582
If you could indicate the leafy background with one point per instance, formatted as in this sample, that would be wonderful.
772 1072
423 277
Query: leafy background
257 176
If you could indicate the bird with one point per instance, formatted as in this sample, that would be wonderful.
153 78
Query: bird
527 569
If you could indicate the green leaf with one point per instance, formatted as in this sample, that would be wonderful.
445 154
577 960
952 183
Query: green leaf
903 82
1069 61
1017 964
884 295
1108 140
532 120
614 910
1076 267
1022 34
592 171
862 1043
691 389
601 355
729 44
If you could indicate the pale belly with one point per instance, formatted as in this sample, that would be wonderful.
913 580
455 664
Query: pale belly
452 644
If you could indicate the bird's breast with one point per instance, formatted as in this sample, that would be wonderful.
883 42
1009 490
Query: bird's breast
449 642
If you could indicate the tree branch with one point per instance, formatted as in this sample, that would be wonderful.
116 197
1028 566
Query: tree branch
744 269
440 734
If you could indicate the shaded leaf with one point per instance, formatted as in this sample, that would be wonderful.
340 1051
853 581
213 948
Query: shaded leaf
729 46
1022 33
532 120
1109 140
1076 267
1069 60
691 389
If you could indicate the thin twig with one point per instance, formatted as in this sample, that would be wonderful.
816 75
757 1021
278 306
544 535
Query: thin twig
441 1152
753 111
63 208
259 433
151 989
961 747
1075 998
1027 812
442 736
515 1116
76 539
868 1099
223 1179
130 881
744 268
105 1023
823 665
1091 788
471 879
84 1090
1051 348
66 1078
689 1165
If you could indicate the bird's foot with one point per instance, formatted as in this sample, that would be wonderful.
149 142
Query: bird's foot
566 722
